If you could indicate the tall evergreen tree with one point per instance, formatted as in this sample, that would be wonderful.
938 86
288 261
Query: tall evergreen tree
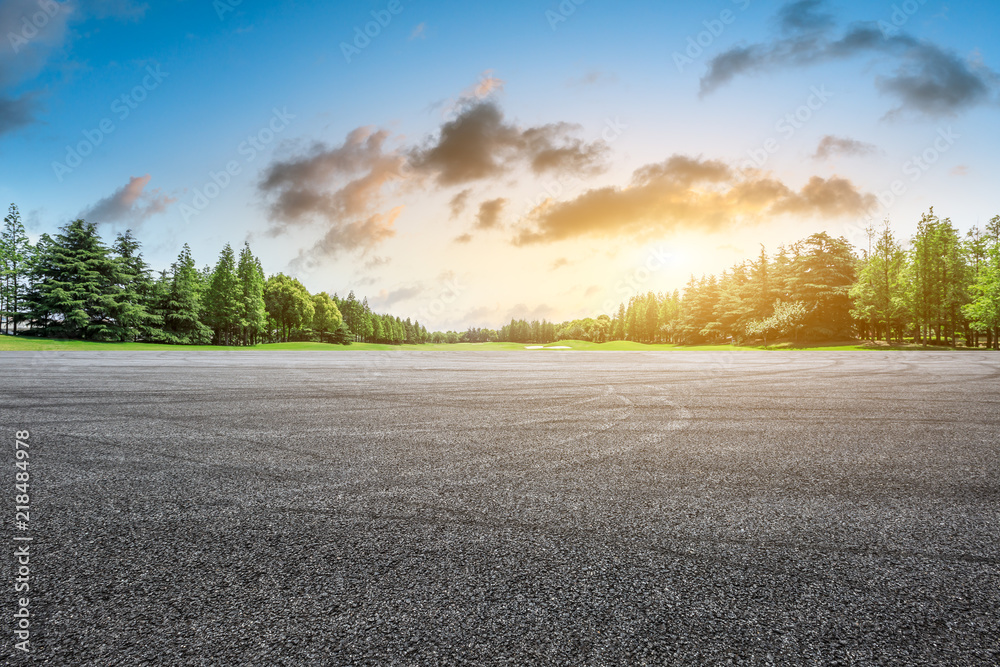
820 277
134 304
938 279
182 310
761 288
15 261
75 292
223 299
252 310
878 294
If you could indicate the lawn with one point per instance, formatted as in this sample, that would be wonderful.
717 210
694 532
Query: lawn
26 343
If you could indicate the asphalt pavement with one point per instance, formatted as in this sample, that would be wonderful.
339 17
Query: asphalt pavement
545 507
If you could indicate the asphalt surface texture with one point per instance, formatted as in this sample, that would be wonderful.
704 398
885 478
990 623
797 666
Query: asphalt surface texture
535 508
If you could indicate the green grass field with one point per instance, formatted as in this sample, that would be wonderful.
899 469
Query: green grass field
23 343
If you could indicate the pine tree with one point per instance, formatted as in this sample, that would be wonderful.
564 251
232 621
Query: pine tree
762 291
15 261
651 321
135 290
252 315
75 293
820 277
378 333
711 329
182 310
878 294
736 301
938 279
618 331
224 299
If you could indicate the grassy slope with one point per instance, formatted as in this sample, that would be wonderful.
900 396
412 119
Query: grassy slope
11 343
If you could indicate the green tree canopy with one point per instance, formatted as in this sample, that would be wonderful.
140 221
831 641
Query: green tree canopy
288 302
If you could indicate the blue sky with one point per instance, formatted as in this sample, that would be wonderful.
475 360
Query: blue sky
476 161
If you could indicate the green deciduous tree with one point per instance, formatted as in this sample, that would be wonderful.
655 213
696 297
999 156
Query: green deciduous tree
984 310
288 303
326 317
786 319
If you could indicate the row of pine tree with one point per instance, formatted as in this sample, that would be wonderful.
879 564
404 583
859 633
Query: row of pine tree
938 288
72 285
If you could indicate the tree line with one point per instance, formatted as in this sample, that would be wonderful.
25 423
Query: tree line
939 288
73 285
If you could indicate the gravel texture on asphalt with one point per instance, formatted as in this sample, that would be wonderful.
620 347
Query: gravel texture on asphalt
543 507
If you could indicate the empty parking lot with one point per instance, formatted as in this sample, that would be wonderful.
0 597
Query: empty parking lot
542 507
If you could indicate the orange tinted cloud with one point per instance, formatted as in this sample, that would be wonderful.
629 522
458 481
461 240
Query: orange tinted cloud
129 204
685 193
